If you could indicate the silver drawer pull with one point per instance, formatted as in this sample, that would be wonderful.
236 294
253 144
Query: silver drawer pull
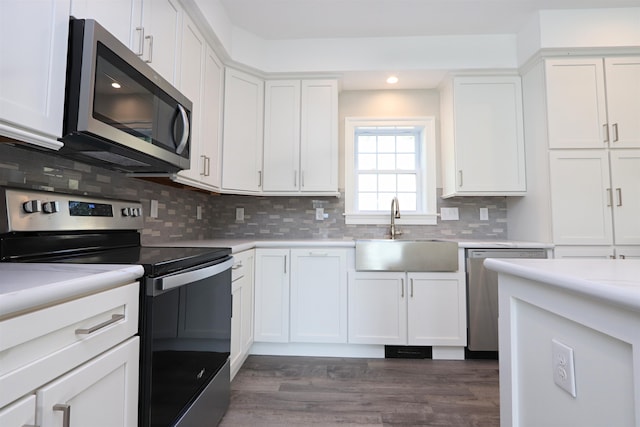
237 265
66 413
114 319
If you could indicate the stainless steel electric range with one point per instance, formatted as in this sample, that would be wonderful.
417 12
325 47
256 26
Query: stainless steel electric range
185 295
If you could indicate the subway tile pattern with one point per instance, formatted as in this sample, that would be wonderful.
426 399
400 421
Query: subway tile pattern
264 217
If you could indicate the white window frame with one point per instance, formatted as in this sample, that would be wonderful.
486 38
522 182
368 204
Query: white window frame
428 176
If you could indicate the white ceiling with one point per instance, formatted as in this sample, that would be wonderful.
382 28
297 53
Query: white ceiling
321 19
301 19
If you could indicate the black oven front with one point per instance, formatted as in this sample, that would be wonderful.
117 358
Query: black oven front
186 325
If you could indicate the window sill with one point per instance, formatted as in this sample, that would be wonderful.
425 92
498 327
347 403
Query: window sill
385 219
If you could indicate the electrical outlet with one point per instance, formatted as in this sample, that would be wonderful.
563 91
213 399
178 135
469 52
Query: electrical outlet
449 214
563 368
198 212
239 214
153 210
484 214
320 214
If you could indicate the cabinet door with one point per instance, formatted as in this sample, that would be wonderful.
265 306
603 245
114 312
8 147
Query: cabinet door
242 141
272 295
211 125
489 134
319 295
122 18
581 197
377 308
576 105
623 100
19 414
282 135
192 54
162 19
625 184
33 64
319 136
242 317
436 312
102 392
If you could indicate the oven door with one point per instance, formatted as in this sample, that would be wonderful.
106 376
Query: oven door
185 331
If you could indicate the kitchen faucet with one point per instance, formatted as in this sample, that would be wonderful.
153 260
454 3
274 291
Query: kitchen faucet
395 214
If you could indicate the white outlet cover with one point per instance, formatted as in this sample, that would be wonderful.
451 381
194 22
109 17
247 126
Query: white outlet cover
484 214
564 375
449 214
239 214
320 214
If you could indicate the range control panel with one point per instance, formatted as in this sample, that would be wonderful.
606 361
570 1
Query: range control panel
31 210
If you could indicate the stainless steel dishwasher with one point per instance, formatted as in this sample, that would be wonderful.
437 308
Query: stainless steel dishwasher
482 295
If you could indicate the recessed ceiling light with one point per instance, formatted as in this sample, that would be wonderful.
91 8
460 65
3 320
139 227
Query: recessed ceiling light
392 80
115 85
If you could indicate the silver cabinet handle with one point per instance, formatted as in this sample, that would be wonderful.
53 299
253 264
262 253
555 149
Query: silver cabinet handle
622 256
609 197
460 177
295 178
259 178
401 288
114 318
411 288
619 196
208 159
285 264
605 132
182 144
150 57
312 253
237 265
615 132
66 413
204 165
140 41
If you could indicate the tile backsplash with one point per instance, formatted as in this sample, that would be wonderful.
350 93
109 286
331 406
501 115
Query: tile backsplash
264 217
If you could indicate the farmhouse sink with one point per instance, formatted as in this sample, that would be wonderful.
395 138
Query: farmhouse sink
406 255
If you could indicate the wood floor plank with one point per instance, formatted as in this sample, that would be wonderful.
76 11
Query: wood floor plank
319 391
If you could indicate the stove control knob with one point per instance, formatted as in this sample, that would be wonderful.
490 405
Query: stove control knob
126 211
51 207
136 211
32 206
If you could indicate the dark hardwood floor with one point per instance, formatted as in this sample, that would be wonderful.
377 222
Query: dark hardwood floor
299 391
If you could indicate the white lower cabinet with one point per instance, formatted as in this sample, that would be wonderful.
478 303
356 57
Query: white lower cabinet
102 392
72 364
242 310
301 295
407 308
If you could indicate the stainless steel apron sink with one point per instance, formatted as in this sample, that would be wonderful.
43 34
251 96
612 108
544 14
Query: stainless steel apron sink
406 255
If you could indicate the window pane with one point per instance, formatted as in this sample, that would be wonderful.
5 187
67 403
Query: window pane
387 144
366 144
366 162
406 161
384 202
387 182
386 161
407 202
367 202
406 144
407 182
368 182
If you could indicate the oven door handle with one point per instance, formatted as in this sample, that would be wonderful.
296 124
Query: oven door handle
181 279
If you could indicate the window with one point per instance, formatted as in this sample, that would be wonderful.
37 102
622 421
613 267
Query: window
388 158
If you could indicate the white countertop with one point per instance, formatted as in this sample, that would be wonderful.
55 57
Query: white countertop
616 281
28 286
239 245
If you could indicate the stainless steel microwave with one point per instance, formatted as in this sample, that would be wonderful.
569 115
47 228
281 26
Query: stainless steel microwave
119 112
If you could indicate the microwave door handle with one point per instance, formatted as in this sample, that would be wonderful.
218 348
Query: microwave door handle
185 132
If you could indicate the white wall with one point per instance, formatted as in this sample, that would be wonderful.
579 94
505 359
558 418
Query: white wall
388 103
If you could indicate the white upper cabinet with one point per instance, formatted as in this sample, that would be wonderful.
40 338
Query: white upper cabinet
301 136
243 130
33 63
122 18
162 28
192 54
482 136
623 101
593 102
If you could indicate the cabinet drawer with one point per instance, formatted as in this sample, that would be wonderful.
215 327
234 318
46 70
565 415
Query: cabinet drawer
241 265
20 413
39 346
